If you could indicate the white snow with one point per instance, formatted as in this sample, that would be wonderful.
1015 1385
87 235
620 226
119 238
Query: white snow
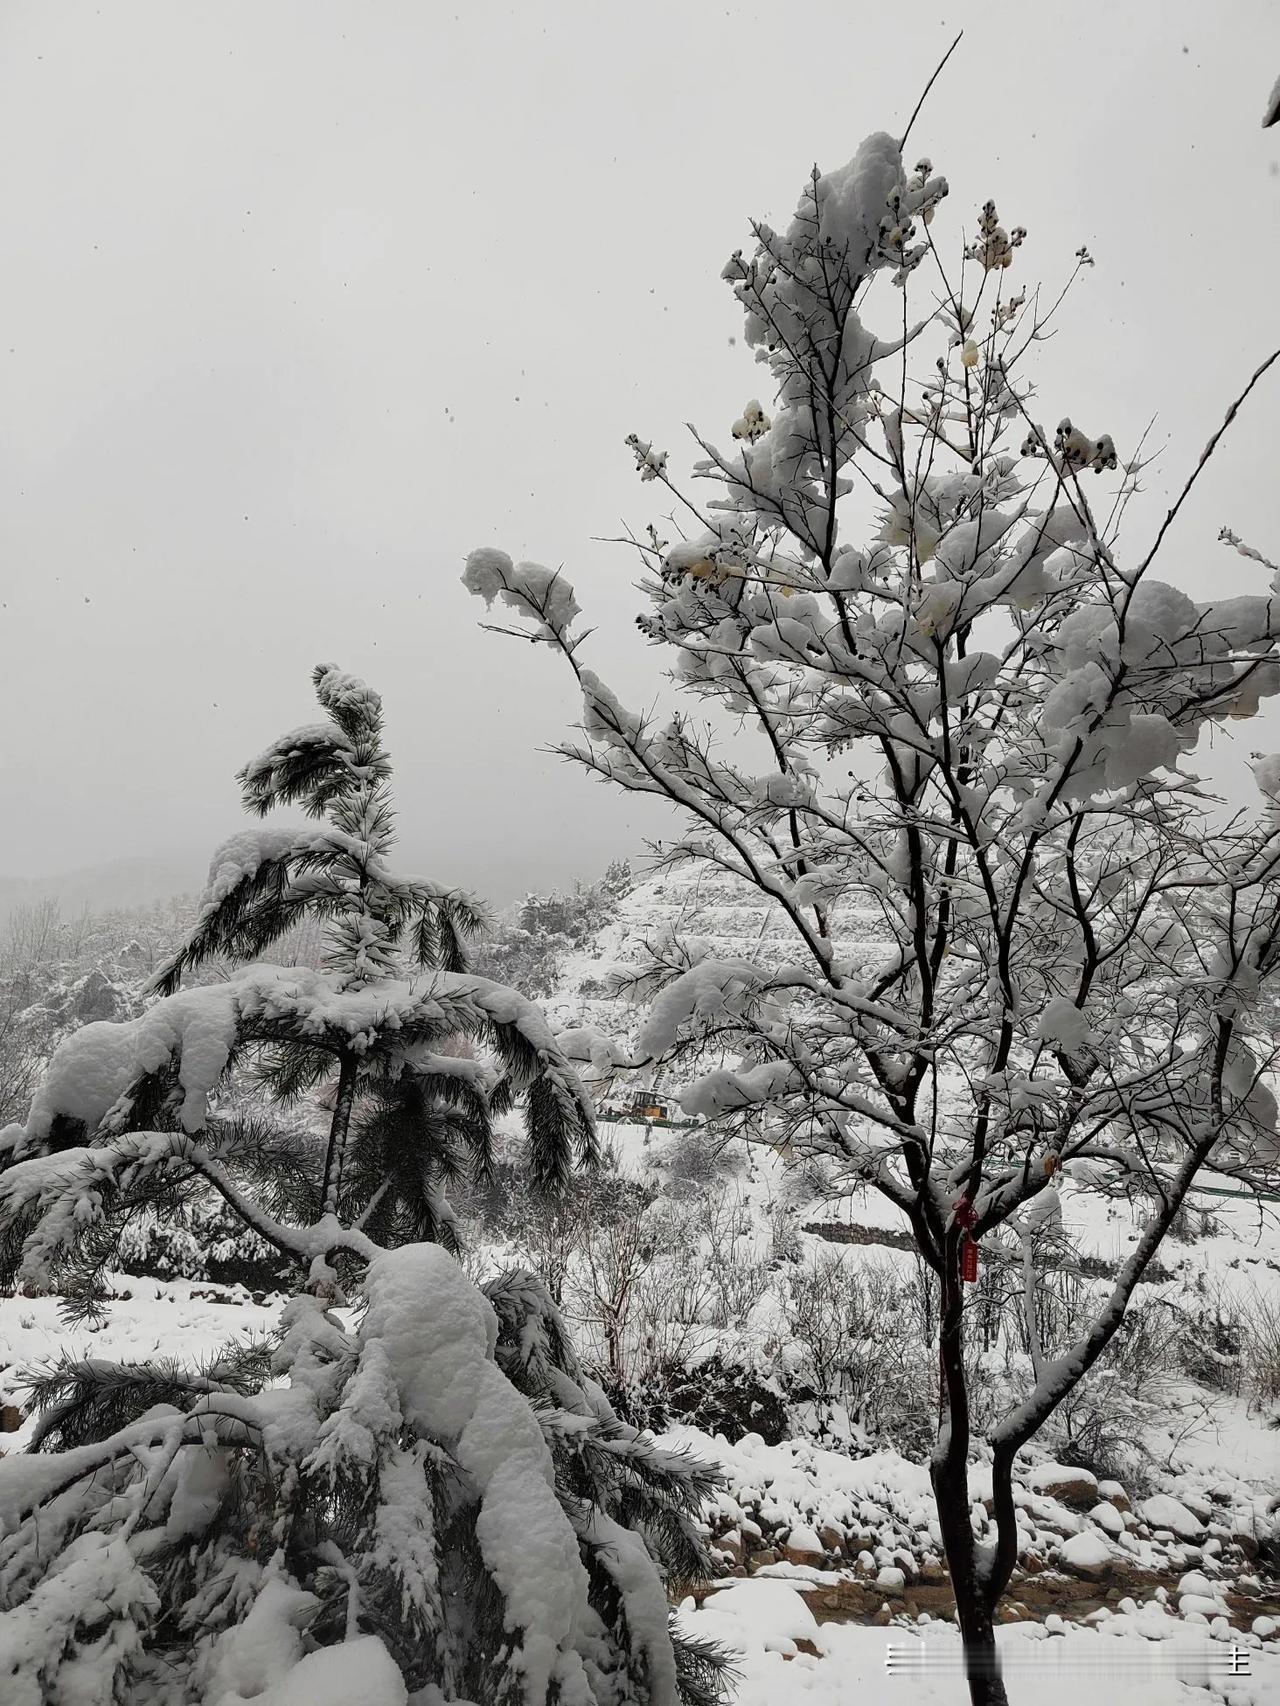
707 989
1064 1025
525 587
263 1647
360 1670
142 1318
440 1358
1085 1551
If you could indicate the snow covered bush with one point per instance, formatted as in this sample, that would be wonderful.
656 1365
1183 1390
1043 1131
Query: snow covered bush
547 1231
58 972
865 1363
1262 1339
529 943
415 1492
198 1239
973 717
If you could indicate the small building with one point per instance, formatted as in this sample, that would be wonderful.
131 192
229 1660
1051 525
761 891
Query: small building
645 1104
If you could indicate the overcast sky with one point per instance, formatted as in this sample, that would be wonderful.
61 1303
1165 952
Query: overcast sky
301 300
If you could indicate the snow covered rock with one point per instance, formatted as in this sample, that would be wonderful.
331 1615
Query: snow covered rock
1086 1555
1108 1518
1162 1510
1207 1606
1196 1503
1074 1487
1114 1494
1052 1514
765 1614
803 1546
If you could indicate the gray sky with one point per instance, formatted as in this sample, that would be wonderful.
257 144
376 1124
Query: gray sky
300 300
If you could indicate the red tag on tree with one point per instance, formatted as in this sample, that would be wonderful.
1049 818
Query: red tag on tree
968 1260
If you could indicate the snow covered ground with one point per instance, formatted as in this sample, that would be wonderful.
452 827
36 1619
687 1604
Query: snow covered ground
185 1319
1137 1656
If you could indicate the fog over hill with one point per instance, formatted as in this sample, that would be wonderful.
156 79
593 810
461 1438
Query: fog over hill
139 881
145 879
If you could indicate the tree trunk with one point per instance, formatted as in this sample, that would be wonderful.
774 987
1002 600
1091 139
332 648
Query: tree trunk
949 1473
973 1607
339 1126
982 1662
1005 1513
613 1347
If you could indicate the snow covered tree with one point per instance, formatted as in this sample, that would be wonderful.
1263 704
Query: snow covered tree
414 1493
1024 941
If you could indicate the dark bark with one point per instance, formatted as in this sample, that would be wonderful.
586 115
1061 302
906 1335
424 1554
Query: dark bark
982 1661
949 1472
339 1127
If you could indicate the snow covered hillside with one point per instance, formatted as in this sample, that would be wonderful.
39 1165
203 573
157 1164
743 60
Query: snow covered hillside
732 921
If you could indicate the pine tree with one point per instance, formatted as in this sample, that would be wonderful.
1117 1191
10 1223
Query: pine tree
414 1491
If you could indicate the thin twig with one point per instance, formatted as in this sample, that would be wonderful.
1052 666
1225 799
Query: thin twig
1205 454
929 85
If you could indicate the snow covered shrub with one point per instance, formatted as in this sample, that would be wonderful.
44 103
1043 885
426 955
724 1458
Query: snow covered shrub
718 1395
1101 1422
939 720
844 1316
734 1250
529 944
548 1231
415 1492
1262 1351
1212 1335
58 972
22 1050
667 1289
694 1162
634 1297
203 1240
40 1001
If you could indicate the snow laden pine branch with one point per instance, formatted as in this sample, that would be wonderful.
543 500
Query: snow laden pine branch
924 708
